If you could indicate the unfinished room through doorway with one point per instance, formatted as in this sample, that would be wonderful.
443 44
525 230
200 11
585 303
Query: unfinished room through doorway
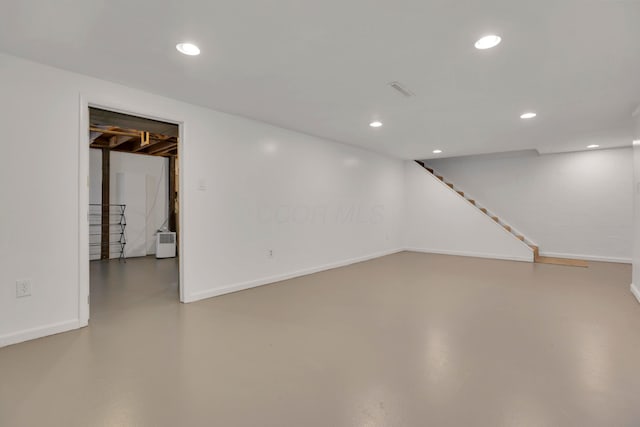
133 209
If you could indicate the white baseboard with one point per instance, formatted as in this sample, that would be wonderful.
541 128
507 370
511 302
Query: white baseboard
587 257
635 291
472 254
278 278
39 332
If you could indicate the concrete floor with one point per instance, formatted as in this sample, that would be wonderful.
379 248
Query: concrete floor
406 340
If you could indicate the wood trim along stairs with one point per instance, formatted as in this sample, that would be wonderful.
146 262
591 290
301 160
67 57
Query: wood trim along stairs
507 228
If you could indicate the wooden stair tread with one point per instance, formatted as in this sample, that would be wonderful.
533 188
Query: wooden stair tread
461 193
495 218
449 184
473 202
562 261
441 178
429 169
521 238
484 210
508 228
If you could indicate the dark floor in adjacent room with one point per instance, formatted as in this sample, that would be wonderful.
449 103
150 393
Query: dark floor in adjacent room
405 340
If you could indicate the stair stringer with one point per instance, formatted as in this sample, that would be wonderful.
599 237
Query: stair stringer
439 220
491 213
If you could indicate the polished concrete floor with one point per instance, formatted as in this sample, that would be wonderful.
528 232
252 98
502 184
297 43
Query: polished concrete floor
405 340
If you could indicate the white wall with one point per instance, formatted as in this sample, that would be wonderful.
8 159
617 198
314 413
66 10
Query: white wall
635 286
572 205
438 220
144 188
247 188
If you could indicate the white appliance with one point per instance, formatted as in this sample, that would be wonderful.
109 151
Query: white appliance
165 244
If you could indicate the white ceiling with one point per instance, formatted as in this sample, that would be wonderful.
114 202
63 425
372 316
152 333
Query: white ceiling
322 66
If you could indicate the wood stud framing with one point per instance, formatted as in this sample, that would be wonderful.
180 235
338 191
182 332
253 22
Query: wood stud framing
104 224
173 194
133 141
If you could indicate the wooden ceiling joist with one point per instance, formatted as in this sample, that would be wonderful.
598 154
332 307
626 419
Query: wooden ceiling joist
143 143
132 141
115 131
93 135
162 147
106 118
171 151
118 140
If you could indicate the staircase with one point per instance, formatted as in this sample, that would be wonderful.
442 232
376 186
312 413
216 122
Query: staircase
536 251
507 227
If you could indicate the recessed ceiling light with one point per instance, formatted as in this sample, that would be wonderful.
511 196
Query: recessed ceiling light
437 151
487 42
375 124
636 142
528 116
188 49
593 146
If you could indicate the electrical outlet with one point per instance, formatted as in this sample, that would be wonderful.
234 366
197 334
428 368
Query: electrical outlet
23 288
270 253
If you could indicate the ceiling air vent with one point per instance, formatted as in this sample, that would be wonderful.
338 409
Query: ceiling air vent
403 90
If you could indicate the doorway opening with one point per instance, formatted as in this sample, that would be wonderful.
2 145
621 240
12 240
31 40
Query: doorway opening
133 212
